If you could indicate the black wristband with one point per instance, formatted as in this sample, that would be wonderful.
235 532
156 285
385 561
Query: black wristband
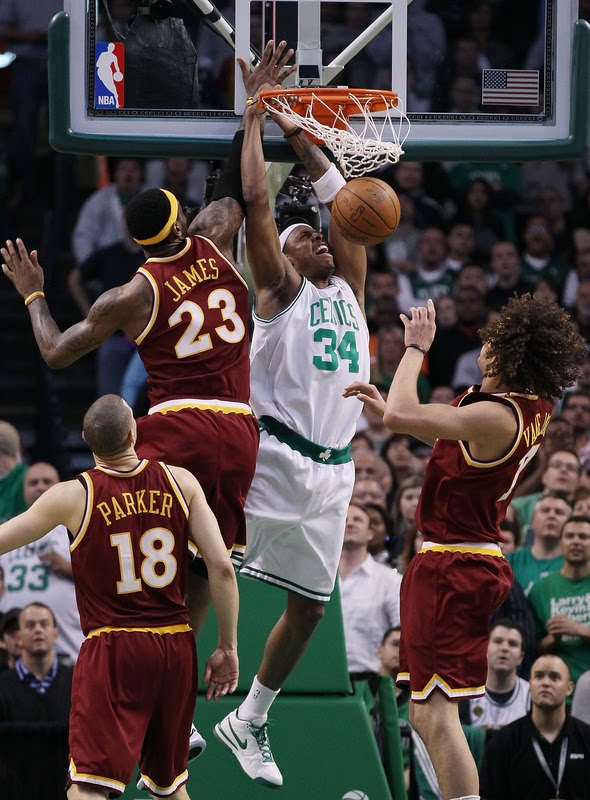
296 132
229 183
417 347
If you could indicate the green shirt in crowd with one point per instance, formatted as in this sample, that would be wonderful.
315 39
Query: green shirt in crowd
528 569
557 594
12 501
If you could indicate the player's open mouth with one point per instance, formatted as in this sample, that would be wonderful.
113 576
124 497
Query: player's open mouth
323 248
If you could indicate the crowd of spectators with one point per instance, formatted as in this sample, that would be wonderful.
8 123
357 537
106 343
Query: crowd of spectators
471 235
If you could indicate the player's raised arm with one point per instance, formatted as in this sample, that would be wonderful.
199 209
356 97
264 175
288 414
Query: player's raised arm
59 505
120 308
350 260
221 672
222 218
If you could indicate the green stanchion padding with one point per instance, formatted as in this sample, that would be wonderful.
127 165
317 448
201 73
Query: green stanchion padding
324 747
322 667
393 758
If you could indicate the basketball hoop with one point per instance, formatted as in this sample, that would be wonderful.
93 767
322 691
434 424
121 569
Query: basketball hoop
325 112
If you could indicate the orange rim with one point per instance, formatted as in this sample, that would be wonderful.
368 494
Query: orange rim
326 103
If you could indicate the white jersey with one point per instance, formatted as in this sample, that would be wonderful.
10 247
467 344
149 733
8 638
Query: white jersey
483 711
28 580
302 359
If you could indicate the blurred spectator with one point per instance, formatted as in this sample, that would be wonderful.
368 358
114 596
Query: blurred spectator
404 508
460 246
507 697
476 208
581 309
559 435
412 545
552 206
446 311
369 490
106 268
12 473
561 473
451 343
41 571
408 178
181 176
480 19
390 349
9 639
581 701
368 465
522 761
427 45
383 534
581 506
464 95
361 441
384 284
120 12
543 557
401 247
442 394
38 689
472 276
576 410
561 601
431 279
370 596
396 452
100 222
538 259
505 266
23 29
574 277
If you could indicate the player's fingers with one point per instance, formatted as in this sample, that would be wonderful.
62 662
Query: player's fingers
22 250
431 310
244 68
267 55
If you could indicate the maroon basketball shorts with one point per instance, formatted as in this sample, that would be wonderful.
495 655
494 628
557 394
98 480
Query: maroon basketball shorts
219 449
446 601
133 700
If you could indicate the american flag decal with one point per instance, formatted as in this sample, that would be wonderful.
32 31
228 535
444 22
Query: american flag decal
510 87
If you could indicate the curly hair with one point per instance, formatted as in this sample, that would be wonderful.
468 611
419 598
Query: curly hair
534 347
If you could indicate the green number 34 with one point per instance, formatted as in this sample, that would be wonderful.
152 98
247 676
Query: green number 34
335 352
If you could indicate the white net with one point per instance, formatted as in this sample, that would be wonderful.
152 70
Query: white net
360 145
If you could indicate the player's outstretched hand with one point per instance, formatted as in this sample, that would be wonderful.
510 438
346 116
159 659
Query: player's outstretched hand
21 268
421 326
272 69
221 673
367 394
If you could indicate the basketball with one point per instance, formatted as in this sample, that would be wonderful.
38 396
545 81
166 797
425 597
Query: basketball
366 211
118 76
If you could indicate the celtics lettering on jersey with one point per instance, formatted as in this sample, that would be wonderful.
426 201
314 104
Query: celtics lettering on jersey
337 347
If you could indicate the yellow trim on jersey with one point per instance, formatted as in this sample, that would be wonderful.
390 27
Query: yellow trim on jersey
117 473
488 464
437 681
87 512
155 304
153 787
223 406
228 262
165 259
97 780
193 549
462 548
167 227
159 631
176 489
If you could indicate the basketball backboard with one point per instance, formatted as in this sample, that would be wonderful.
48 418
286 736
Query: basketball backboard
500 81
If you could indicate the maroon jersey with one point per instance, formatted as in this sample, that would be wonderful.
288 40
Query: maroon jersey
465 500
131 553
195 344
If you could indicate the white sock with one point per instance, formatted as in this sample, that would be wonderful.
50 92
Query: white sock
467 797
257 703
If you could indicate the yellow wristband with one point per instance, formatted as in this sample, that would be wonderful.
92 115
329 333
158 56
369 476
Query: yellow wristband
249 101
33 296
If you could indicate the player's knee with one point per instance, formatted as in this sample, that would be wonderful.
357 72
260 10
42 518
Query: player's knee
305 615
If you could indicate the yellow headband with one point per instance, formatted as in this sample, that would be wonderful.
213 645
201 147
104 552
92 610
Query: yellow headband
163 233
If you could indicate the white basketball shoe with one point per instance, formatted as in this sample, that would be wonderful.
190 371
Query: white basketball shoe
250 745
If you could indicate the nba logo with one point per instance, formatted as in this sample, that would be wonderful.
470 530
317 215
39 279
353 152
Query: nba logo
109 90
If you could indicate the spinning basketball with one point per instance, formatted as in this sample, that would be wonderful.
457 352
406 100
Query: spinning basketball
366 211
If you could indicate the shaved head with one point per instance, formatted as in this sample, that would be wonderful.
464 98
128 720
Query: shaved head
107 425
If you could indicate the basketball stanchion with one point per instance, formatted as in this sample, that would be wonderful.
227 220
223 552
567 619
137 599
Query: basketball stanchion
328 114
